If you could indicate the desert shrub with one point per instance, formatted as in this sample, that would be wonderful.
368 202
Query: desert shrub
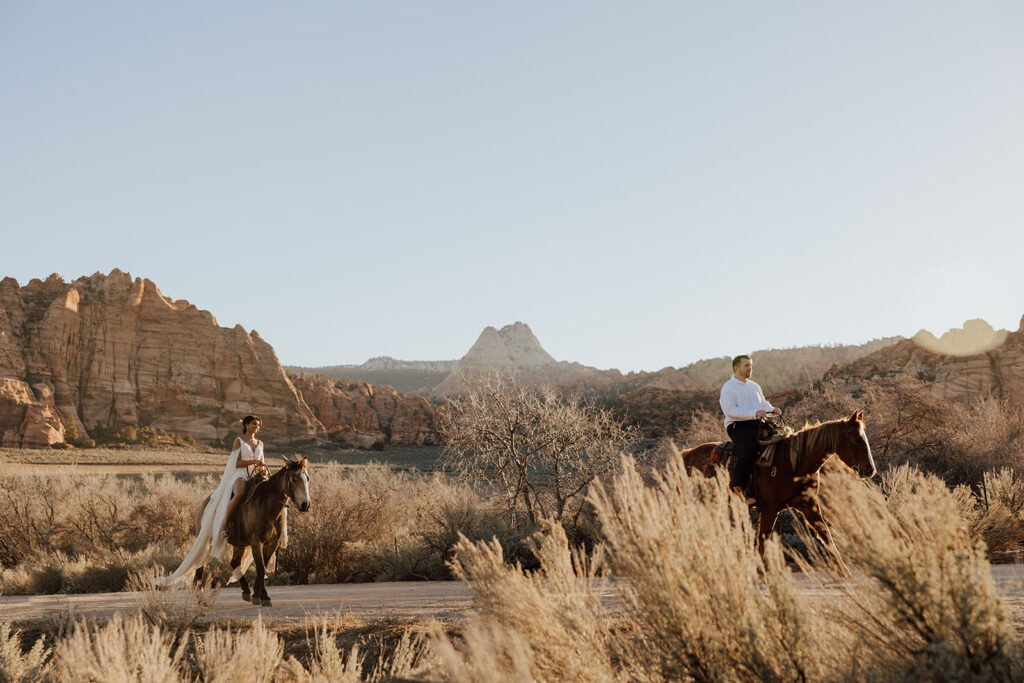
16 665
927 608
710 607
68 532
80 514
99 571
164 510
145 435
703 426
546 625
351 511
250 655
981 437
376 524
177 610
124 649
542 450
328 662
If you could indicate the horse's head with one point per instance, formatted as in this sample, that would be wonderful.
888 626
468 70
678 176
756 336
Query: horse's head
297 481
853 448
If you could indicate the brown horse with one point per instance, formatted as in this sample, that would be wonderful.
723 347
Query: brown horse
261 519
791 481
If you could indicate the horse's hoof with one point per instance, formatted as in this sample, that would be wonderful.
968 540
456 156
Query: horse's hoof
247 597
266 603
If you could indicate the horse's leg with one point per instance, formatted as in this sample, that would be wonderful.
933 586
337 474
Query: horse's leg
236 559
812 514
269 548
767 514
260 589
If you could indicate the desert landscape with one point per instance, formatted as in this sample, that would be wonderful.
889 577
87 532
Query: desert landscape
536 341
413 549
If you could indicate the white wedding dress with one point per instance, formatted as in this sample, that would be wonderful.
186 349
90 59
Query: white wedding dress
208 544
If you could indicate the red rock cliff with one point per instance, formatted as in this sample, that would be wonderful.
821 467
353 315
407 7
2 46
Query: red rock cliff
361 414
109 350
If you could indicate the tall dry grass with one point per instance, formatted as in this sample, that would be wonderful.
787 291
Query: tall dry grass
712 608
17 665
925 607
695 602
125 649
130 649
75 533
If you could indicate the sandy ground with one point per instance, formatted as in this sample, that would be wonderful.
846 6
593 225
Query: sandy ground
140 460
415 601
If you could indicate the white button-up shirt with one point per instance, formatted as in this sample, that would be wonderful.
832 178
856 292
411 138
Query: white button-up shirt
741 400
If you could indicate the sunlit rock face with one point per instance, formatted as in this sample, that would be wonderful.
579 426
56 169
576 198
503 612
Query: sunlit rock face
968 363
111 350
363 415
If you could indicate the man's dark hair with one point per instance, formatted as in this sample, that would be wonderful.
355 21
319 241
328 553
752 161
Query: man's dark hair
737 359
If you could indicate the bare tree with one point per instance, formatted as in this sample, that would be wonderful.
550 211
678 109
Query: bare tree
542 450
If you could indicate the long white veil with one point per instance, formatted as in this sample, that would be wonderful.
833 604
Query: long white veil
208 544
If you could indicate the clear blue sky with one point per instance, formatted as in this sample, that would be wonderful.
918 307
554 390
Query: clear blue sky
644 183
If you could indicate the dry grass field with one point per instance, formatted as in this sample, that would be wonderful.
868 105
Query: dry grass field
676 591
657 580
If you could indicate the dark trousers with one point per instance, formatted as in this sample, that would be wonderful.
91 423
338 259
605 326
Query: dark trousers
744 435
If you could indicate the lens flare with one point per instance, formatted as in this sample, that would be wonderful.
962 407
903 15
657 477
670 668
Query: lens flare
976 336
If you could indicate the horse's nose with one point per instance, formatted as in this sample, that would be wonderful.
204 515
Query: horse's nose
303 507
868 475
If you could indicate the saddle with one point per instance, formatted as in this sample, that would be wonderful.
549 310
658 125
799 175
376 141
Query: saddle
234 525
769 432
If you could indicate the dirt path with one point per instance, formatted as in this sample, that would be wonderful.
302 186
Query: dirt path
418 600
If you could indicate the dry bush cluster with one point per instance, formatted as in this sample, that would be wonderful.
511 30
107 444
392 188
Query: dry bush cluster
75 533
913 421
540 449
131 648
695 601
376 524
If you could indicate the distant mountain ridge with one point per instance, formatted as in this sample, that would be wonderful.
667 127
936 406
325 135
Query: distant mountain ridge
516 347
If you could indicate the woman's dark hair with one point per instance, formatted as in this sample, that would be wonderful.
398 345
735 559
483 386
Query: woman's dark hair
250 418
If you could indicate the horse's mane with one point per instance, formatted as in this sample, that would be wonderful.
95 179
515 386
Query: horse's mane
811 438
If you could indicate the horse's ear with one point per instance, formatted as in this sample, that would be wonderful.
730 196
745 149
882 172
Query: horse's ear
287 460
857 416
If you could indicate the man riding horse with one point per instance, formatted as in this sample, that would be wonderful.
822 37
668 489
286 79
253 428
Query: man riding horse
744 406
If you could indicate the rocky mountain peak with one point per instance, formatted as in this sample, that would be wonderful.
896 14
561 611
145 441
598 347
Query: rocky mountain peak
513 346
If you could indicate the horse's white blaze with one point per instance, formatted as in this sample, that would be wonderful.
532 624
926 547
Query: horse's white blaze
871 459
303 498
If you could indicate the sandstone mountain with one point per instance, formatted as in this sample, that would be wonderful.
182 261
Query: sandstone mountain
515 348
108 350
362 415
994 370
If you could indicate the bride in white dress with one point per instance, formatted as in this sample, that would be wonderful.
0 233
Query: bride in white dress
211 543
